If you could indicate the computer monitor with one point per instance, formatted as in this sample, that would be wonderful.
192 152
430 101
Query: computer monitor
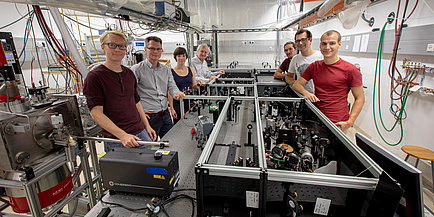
409 178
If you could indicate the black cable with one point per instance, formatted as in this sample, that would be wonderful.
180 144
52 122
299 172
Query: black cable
282 103
164 211
46 32
75 21
186 189
161 203
30 19
165 202
125 207
315 122
16 20
34 41
182 119
370 21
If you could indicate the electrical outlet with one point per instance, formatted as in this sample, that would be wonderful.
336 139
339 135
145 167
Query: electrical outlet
430 48
244 42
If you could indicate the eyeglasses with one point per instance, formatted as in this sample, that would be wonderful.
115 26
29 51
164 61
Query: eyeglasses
155 49
299 40
114 46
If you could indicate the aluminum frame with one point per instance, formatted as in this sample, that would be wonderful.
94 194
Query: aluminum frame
264 174
46 168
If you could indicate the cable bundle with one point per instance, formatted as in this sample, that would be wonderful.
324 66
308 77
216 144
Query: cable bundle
62 55
396 79
157 205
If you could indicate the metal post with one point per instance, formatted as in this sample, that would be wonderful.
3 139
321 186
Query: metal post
32 199
189 45
200 190
216 53
432 175
96 168
72 161
278 48
87 176
181 108
262 192
236 113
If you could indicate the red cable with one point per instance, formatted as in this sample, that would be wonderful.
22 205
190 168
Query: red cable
188 110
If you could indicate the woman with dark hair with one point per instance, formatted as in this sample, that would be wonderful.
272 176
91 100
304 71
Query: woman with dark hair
185 80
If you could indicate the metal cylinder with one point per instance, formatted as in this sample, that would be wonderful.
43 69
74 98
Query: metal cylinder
50 189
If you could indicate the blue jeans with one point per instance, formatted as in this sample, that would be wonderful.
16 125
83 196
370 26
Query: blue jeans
144 136
161 124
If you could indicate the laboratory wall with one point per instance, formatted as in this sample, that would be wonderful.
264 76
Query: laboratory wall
418 124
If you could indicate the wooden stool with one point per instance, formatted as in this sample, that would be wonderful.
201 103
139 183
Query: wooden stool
419 153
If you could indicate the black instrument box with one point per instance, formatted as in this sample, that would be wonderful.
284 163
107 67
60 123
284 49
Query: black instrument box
138 171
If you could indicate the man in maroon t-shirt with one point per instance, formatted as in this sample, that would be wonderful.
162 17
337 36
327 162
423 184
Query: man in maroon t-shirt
112 98
333 79
290 51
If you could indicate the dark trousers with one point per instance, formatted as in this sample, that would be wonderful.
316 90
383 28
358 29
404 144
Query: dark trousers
161 124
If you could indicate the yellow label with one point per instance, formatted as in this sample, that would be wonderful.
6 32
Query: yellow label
170 182
159 177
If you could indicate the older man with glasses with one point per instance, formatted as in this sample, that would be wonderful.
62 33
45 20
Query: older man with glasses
200 66
303 41
154 83
112 98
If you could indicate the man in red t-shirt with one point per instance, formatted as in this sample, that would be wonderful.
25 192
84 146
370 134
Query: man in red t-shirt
333 79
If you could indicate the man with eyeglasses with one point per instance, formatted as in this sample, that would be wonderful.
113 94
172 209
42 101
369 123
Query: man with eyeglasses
112 98
333 78
154 83
303 41
203 75
290 51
